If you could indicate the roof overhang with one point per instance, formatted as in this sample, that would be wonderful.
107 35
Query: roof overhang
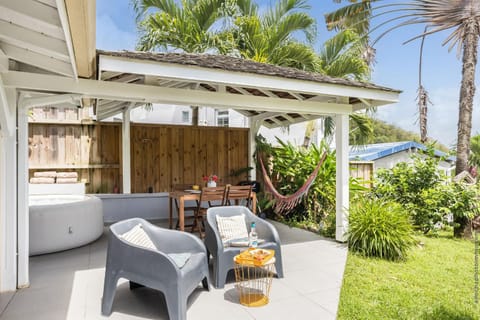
35 34
274 100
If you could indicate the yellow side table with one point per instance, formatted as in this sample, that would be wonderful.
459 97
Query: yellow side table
253 276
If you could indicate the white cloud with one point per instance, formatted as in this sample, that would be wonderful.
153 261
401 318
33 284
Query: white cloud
111 37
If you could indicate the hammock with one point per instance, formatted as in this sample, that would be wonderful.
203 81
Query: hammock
284 203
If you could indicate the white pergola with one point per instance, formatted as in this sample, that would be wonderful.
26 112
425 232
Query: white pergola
49 72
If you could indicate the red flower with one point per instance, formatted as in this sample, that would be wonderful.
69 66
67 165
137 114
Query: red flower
212 177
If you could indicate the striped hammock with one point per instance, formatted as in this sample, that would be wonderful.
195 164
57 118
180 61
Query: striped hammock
286 203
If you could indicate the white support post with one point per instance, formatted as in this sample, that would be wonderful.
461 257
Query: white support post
8 213
126 150
342 195
23 220
8 192
254 127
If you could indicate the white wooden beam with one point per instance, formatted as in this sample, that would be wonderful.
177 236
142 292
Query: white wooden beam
126 173
34 15
107 75
342 178
252 133
155 94
4 65
37 60
110 113
32 40
286 116
7 119
264 115
242 91
8 213
268 93
23 218
296 96
241 79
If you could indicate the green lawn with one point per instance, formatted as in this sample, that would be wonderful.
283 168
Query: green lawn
436 282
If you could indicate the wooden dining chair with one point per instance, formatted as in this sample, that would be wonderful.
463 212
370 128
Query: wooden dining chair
187 208
209 197
237 194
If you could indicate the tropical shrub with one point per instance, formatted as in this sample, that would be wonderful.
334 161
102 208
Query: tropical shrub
379 228
426 195
290 167
418 187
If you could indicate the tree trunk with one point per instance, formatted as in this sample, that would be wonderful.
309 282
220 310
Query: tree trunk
467 92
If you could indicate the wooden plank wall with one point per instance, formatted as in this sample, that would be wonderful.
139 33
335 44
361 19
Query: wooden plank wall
161 155
362 170
165 155
93 150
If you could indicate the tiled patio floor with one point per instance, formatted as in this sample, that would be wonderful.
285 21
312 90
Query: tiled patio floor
69 285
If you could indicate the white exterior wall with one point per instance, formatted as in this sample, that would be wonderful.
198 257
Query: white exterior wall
390 161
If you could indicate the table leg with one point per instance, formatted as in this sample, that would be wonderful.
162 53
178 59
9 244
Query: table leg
181 213
170 210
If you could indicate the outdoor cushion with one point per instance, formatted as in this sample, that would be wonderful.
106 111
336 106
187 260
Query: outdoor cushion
232 227
139 237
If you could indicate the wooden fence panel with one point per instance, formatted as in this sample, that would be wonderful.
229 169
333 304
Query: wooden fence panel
160 155
178 154
90 150
362 170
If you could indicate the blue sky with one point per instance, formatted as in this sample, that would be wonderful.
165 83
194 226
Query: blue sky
396 67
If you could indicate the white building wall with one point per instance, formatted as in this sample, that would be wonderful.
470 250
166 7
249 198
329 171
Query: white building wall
390 161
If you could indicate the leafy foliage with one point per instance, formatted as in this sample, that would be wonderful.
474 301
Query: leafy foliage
428 196
290 166
379 229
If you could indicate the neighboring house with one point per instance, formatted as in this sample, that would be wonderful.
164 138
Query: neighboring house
387 155
172 114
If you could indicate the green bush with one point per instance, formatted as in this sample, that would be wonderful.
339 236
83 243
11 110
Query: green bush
428 196
379 229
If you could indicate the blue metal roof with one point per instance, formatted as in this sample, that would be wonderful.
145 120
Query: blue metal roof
371 152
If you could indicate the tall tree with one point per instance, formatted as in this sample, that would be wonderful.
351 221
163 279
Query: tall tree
357 17
341 57
462 17
272 37
192 26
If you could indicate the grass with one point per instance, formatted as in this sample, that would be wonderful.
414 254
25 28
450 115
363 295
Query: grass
435 282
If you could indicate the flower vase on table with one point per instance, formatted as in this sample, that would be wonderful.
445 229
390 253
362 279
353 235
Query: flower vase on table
211 184
211 180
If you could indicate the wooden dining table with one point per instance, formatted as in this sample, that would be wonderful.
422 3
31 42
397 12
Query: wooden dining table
182 196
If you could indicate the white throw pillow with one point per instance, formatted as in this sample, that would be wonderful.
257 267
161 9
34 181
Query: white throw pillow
139 237
233 227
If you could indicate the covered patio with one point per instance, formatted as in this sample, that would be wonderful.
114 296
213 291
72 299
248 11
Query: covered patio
47 58
69 285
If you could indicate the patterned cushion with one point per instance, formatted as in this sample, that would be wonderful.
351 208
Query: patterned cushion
233 227
139 237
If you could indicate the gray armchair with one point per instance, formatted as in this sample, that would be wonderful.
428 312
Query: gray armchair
223 256
155 268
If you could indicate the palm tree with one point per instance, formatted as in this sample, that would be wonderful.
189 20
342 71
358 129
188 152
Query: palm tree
357 17
192 26
463 18
341 57
271 37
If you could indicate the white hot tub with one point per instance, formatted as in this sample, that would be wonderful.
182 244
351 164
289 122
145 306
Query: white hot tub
61 222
